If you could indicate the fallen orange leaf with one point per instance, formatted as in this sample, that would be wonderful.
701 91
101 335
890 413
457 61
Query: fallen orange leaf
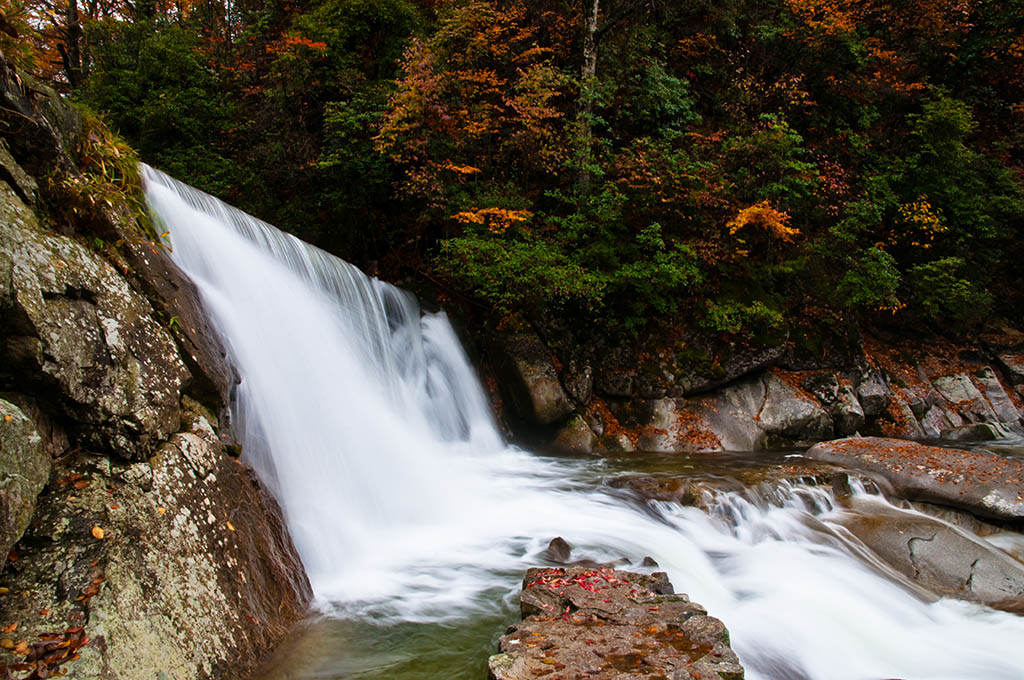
97 533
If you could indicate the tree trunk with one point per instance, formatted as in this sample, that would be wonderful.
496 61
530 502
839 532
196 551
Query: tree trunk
588 84
71 52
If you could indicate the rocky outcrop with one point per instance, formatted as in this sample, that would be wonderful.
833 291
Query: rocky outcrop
141 546
614 625
983 483
650 398
75 331
180 564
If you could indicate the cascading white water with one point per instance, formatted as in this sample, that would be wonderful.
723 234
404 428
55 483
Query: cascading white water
366 420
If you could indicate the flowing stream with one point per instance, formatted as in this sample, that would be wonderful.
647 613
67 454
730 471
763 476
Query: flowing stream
415 521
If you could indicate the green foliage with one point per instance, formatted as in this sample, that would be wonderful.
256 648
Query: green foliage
520 276
771 163
751 321
154 86
106 187
871 282
942 294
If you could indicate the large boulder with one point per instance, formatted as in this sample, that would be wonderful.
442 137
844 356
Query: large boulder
73 330
575 437
993 391
789 411
24 470
615 625
983 483
939 556
180 565
872 392
176 301
965 398
151 552
525 365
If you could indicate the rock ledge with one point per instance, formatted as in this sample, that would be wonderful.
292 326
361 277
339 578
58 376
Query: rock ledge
607 624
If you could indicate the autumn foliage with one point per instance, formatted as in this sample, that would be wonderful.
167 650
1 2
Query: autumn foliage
748 168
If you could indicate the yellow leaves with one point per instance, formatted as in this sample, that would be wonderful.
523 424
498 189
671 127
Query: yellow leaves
497 220
763 216
98 533
229 525
921 223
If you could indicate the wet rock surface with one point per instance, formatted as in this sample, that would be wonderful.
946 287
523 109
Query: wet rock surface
938 556
681 394
983 483
611 625
77 332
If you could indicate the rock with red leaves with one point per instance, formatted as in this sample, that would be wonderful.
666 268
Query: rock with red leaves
611 625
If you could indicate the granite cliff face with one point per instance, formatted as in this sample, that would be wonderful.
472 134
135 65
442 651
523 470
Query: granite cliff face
139 546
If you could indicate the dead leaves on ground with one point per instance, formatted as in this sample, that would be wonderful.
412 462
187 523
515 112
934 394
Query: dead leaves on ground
43 659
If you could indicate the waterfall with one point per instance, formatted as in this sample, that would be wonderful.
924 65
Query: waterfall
364 417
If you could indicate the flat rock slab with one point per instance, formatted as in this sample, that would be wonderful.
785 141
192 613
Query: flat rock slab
608 624
980 482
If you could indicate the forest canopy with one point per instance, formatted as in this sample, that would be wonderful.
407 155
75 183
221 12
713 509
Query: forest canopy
751 167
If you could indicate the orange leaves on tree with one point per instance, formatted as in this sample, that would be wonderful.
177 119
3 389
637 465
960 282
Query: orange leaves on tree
476 97
289 43
828 17
497 220
766 218
460 169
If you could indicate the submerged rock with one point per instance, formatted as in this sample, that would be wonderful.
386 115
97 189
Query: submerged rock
980 482
613 625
